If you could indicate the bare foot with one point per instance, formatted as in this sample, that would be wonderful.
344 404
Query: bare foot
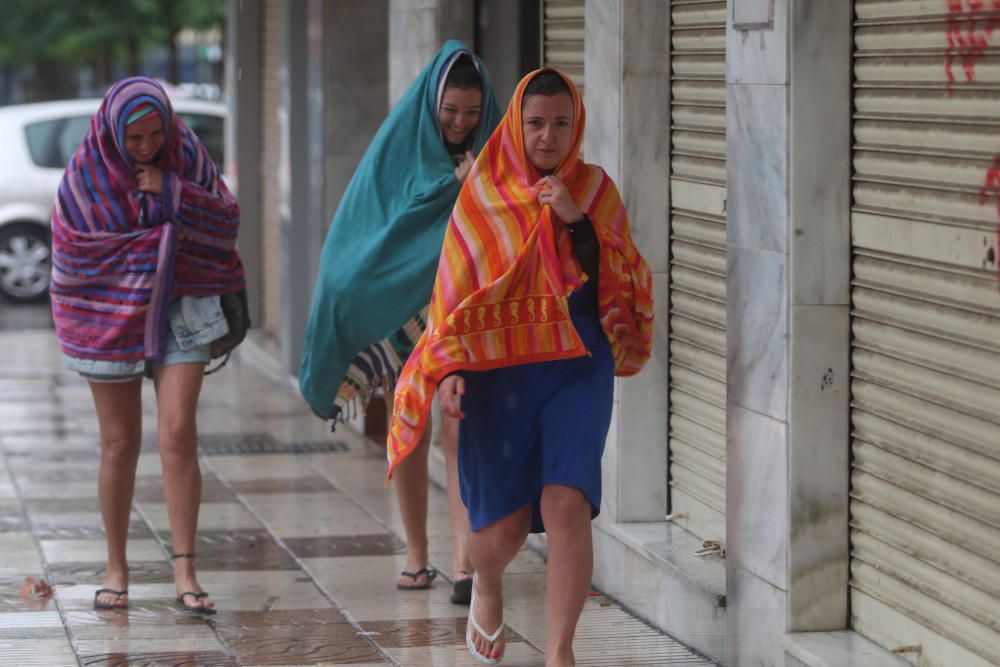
487 611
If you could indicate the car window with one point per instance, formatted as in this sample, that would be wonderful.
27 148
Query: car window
71 135
210 130
53 142
42 145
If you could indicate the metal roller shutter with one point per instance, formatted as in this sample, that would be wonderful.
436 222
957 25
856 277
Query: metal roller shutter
563 37
925 483
270 188
698 267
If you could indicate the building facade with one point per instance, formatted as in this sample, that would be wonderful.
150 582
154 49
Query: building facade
809 467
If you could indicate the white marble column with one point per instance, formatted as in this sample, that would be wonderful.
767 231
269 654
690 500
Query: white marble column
417 29
788 160
627 97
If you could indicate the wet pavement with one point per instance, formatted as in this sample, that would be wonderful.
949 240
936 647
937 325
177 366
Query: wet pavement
299 543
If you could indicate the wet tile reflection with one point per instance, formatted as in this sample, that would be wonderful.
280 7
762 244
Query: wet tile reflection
241 550
149 489
11 518
336 643
161 613
423 632
248 620
298 485
346 545
60 505
93 572
174 659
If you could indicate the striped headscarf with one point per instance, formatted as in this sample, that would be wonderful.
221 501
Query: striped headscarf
505 273
119 256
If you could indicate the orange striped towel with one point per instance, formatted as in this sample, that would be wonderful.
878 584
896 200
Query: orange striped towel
506 270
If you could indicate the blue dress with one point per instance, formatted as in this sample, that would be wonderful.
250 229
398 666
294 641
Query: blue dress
535 424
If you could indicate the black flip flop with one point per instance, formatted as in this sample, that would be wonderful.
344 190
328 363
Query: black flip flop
208 611
104 605
429 572
461 592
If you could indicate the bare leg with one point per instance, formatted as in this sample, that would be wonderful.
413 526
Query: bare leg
491 550
460 563
566 514
177 389
119 414
411 492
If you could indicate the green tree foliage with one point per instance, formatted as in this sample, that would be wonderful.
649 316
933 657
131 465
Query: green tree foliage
47 34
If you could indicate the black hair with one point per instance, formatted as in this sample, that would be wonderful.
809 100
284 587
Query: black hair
463 74
547 83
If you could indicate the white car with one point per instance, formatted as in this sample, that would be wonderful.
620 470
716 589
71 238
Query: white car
38 141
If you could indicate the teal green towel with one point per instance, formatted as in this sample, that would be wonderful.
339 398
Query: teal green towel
381 253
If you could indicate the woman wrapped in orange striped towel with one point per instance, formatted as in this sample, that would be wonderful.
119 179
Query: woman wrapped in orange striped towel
541 298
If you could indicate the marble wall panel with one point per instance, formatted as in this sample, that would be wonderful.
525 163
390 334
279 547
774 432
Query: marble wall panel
757 167
819 467
413 40
758 55
611 467
755 620
642 432
757 331
602 95
645 151
820 155
756 495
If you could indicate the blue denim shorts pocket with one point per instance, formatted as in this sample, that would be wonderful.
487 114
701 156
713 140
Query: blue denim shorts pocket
173 354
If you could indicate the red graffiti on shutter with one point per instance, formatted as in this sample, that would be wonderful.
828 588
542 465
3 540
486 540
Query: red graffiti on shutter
991 188
970 27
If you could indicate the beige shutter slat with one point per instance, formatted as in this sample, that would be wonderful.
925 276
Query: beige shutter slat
925 392
563 37
698 266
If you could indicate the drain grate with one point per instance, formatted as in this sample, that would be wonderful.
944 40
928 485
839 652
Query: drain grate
610 637
262 443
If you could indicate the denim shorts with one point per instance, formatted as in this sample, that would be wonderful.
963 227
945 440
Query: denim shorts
173 354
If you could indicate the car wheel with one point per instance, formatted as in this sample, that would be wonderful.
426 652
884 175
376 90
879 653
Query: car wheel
25 262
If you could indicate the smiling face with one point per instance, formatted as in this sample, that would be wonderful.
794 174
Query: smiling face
459 113
144 138
547 126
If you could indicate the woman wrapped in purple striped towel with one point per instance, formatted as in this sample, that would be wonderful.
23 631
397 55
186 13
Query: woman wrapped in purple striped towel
143 245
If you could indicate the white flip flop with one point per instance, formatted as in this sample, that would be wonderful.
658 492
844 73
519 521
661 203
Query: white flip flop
482 633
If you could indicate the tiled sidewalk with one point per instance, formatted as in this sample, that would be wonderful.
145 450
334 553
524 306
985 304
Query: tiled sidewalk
300 549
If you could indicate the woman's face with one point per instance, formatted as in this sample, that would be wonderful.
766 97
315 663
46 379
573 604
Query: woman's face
547 124
459 113
144 138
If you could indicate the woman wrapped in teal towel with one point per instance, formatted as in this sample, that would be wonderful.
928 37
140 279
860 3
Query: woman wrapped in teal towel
377 272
